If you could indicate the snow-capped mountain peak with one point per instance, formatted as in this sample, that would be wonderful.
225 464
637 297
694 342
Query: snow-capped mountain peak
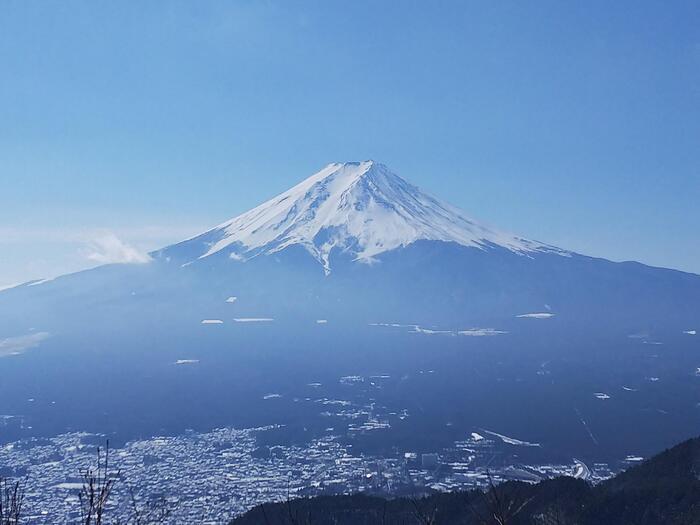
360 208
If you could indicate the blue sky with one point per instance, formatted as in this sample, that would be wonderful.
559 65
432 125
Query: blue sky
128 125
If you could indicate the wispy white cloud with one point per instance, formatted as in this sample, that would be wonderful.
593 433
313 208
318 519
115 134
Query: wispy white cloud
17 345
33 252
108 248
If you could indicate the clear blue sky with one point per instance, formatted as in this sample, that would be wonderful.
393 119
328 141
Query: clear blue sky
575 123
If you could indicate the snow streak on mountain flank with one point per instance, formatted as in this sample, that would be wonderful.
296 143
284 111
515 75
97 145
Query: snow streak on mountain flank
360 208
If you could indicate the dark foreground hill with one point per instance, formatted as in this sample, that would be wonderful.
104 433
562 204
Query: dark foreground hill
662 490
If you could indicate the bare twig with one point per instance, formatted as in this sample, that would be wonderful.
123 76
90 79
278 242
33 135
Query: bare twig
97 487
11 500
422 517
501 506
152 512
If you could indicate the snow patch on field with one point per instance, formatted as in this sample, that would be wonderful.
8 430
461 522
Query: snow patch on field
272 396
481 332
417 329
187 361
510 440
536 315
351 380
68 485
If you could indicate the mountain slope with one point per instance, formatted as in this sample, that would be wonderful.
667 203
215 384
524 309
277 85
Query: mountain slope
360 208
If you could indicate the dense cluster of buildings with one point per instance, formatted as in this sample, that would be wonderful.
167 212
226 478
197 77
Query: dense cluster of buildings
210 477
213 476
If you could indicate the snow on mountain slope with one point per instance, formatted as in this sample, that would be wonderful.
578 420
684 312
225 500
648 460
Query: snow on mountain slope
360 208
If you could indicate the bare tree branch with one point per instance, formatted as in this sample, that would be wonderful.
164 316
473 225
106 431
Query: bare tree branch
11 500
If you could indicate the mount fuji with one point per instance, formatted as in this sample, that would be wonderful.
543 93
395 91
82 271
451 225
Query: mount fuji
356 242
358 208
356 271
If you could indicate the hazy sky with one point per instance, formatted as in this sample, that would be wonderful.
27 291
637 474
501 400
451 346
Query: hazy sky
128 125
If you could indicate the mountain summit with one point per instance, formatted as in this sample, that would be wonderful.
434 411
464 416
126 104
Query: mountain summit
359 208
